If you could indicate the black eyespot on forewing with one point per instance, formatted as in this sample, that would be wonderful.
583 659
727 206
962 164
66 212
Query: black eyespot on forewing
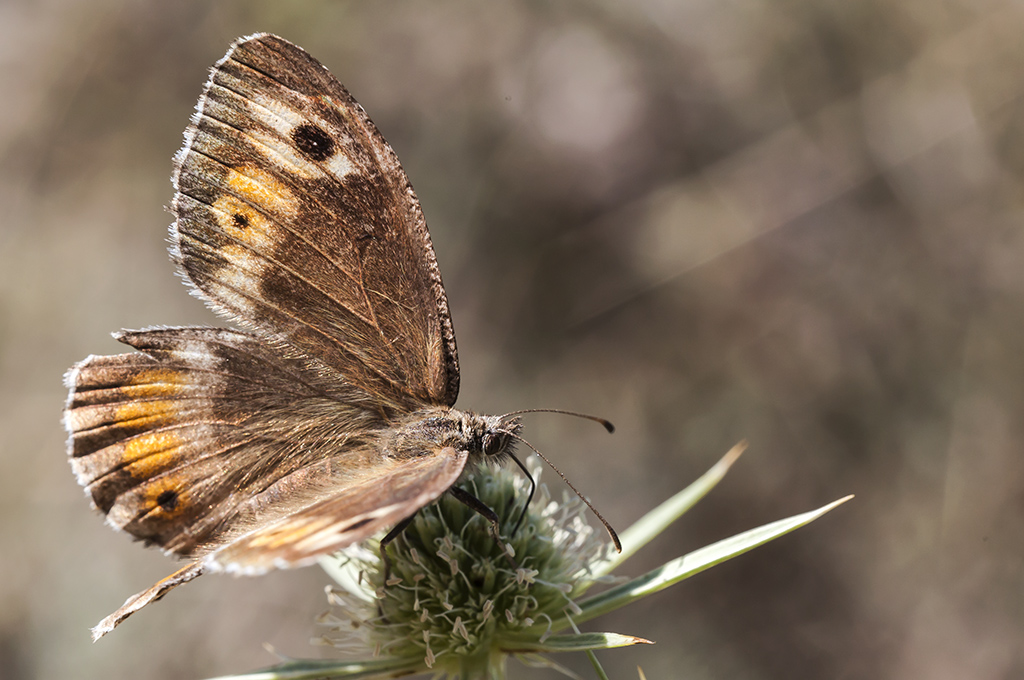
240 220
313 142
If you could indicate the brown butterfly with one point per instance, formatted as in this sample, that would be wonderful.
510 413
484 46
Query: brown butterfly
330 418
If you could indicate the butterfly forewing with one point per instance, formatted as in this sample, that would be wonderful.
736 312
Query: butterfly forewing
294 216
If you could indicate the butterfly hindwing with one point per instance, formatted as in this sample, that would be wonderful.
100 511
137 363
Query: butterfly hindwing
325 527
295 217
202 427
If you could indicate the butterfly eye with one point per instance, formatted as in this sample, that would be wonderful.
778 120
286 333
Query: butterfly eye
493 444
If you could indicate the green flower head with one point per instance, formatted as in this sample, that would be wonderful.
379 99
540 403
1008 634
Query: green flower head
456 599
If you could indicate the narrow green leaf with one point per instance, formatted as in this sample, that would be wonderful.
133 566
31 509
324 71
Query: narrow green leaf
686 566
569 643
313 669
658 519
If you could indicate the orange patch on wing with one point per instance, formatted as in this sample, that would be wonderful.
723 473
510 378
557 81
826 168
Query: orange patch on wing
150 413
152 453
254 192
260 188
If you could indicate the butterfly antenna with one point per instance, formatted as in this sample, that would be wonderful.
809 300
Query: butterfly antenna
608 527
606 423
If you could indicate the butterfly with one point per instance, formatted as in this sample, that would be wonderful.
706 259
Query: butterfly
330 417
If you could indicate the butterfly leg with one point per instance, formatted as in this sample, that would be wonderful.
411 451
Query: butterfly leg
478 506
385 561
395 532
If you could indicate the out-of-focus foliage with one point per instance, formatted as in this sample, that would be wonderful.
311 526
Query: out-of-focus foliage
797 223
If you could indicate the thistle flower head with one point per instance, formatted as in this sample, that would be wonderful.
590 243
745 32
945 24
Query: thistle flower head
456 599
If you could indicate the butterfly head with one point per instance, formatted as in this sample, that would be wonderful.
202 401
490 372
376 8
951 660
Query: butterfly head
492 437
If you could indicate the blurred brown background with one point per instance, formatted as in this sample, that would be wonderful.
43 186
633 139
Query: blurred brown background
795 222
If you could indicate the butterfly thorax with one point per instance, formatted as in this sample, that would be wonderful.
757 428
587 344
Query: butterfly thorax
433 429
